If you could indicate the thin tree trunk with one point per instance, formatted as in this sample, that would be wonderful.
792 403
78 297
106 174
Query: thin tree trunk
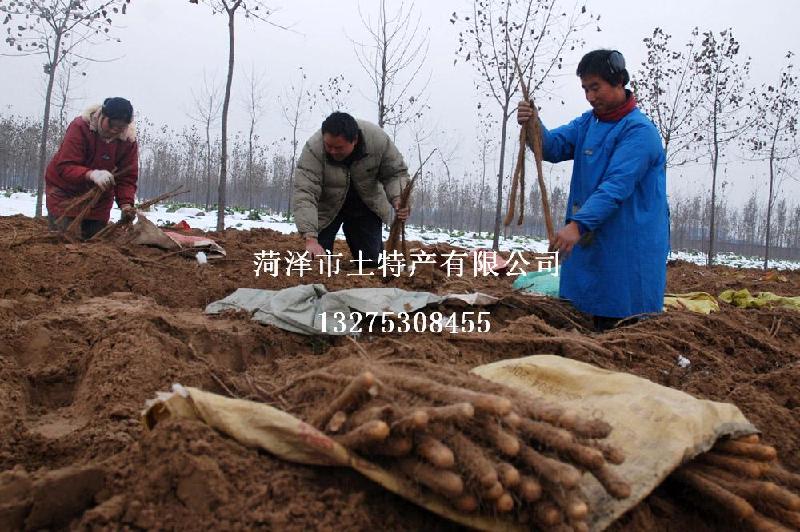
421 190
46 126
291 170
208 163
223 158
499 207
483 187
714 161
382 89
769 202
250 167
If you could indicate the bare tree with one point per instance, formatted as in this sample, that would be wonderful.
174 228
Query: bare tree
422 135
296 103
250 9
667 89
254 104
56 29
446 157
494 34
393 59
722 81
207 107
485 127
774 137
65 86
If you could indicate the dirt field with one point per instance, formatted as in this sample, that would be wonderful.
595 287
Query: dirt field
90 331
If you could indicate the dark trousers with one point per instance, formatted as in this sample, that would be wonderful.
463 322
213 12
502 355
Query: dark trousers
89 228
604 323
362 230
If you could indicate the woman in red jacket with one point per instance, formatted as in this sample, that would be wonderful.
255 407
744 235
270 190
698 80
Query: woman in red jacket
99 149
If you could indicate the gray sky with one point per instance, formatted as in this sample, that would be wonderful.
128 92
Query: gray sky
168 44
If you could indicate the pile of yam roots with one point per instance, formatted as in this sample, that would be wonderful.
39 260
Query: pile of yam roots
491 450
742 481
486 448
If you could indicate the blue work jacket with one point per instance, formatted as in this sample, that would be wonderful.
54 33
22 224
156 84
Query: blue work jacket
617 195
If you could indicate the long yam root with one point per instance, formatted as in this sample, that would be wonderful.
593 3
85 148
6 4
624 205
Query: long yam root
508 474
760 523
336 422
735 505
437 480
472 459
351 394
529 489
414 420
755 451
612 482
483 402
750 438
435 452
787 517
506 443
504 503
364 436
466 503
394 445
752 490
552 470
612 455
457 413
571 503
740 466
563 442
546 514
781 476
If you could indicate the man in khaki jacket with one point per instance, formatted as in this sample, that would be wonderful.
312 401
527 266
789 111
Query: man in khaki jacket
350 173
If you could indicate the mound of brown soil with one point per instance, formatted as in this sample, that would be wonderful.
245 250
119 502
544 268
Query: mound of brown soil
90 331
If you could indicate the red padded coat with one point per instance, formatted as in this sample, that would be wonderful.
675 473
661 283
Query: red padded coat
81 150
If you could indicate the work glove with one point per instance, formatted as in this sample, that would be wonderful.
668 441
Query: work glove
102 178
128 213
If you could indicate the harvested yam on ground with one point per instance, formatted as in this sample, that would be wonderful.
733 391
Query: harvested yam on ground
484 448
742 481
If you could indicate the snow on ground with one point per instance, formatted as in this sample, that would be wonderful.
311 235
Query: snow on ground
12 203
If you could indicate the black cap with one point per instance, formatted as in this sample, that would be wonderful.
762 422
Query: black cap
118 109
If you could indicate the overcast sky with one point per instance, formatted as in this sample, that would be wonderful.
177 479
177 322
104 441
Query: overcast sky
167 45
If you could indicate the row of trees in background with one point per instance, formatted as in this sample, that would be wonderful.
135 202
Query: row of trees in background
698 93
260 180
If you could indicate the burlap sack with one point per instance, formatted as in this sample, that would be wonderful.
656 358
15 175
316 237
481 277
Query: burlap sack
658 428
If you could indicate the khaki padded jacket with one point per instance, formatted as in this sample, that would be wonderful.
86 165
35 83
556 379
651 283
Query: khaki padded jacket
320 186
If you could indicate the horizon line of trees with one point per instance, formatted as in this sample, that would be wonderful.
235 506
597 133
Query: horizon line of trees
260 181
698 91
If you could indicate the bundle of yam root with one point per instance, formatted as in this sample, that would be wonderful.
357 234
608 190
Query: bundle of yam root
486 448
743 481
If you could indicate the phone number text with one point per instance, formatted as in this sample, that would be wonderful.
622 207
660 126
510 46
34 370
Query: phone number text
403 322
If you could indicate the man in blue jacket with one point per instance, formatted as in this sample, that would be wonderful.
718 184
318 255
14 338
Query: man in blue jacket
615 240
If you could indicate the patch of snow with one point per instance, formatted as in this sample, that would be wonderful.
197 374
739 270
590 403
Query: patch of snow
25 203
